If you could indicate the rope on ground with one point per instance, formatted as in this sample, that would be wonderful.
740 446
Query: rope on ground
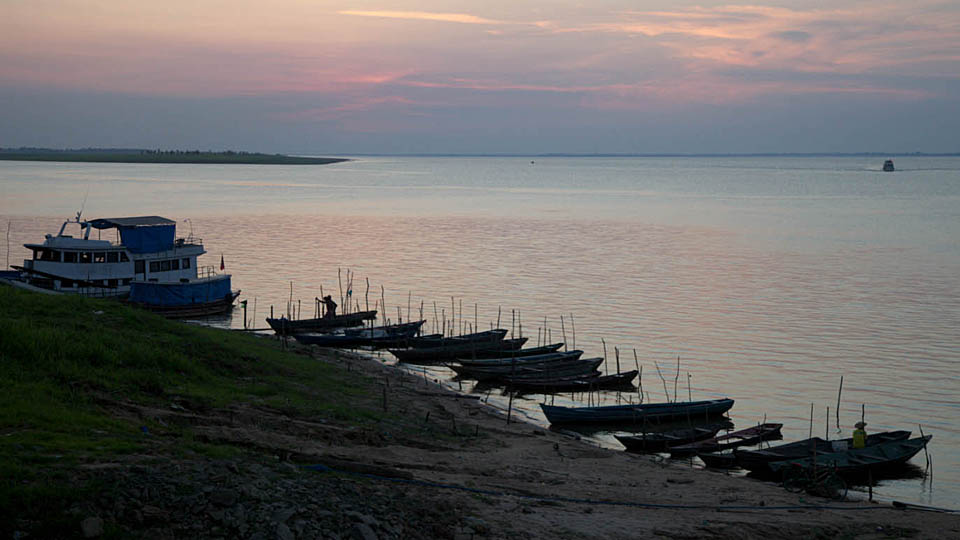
323 468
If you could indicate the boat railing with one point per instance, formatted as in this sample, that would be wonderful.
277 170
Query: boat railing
188 241
204 272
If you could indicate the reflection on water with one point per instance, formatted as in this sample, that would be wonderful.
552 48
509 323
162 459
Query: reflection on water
769 283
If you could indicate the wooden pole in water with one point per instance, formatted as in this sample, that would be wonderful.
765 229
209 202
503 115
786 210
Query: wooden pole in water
564 330
616 353
689 392
476 318
366 296
519 324
513 318
839 390
826 425
604 349
665 391
925 452
461 316
340 284
811 421
254 320
636 361
510 407
676 379
498 316
573 327
436 319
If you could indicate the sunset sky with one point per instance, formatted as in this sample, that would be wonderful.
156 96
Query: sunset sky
323 77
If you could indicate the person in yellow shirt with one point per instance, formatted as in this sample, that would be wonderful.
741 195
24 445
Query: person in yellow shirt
860 435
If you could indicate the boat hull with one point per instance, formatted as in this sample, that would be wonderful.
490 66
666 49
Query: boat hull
636 414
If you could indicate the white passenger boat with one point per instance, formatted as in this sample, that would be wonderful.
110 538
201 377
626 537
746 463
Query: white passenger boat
146 264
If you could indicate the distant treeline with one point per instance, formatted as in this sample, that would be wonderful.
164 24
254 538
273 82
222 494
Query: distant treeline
140 155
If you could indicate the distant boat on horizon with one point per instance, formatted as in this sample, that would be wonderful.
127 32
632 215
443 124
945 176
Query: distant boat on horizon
888 165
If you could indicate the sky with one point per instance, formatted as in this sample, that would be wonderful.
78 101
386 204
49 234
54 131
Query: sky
320 77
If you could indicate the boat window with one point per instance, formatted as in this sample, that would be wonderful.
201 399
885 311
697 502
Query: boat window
50 255
113 256
139 267
164 266
124 258
155 266
99 257
86 257
186 263
70 256
175 264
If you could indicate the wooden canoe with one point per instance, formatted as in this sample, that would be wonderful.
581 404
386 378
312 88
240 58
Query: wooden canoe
286 327
726 441
758 461
637 413
663 441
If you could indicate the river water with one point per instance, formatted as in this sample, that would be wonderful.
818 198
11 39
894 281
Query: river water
769 277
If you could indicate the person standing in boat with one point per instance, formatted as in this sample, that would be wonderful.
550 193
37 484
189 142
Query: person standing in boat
331 306
860 435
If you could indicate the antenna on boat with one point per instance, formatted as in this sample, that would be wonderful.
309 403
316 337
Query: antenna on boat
84 204
187 220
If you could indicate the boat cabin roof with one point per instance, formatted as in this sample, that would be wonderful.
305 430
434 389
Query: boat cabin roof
141 221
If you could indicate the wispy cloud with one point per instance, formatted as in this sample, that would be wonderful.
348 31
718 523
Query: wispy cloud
463 18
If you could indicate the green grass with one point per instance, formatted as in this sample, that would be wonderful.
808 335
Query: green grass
245 158
64 360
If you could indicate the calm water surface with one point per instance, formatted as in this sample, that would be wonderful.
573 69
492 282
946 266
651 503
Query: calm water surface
770 278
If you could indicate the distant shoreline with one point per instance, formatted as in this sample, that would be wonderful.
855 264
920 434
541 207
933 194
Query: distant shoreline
678 155
194 157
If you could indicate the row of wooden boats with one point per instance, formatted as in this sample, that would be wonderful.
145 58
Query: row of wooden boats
490 358
486 356
701 436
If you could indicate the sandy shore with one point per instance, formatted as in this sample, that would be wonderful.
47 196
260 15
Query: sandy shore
535 483
444 465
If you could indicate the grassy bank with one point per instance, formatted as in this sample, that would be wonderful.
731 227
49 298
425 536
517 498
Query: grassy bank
161 156
69 365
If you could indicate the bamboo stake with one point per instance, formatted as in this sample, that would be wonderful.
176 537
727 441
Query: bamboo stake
573 327
436 318
340 284
604 349
564 329
519 324
676 379
513 318
811 421
461 316
476 318
826 425
616 353
498 316
366 295
689 392
636 361
925 452
839 390
667 393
